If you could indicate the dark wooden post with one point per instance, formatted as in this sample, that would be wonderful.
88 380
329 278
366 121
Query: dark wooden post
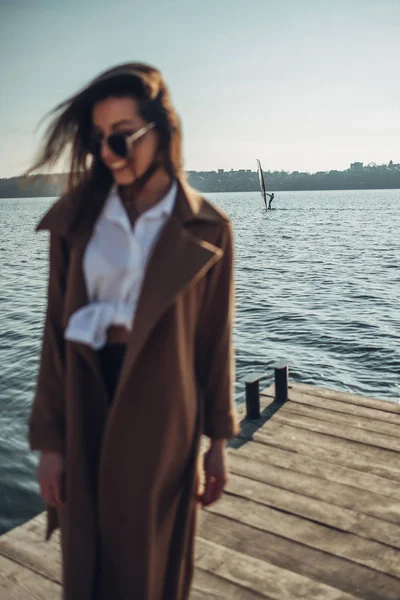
281 381
253 395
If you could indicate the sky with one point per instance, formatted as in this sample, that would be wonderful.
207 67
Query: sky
302 85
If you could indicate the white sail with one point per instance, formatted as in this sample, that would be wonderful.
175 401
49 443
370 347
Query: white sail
262 182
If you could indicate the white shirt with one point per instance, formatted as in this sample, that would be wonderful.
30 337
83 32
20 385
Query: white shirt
114 266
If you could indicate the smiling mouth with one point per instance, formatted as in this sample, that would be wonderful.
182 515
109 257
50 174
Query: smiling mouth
117 166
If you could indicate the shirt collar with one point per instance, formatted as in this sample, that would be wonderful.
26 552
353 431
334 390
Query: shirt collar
114 209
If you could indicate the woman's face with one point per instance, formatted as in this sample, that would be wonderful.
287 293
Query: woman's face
121 115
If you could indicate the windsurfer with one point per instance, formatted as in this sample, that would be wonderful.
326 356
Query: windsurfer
271 197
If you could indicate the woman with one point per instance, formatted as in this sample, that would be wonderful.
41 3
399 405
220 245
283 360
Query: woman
136 360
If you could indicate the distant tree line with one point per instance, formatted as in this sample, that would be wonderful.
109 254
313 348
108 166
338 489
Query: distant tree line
357 177
32 187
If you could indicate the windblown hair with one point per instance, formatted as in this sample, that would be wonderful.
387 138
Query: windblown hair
70 128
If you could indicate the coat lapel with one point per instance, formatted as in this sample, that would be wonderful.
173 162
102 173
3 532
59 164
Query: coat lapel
77 298
178 261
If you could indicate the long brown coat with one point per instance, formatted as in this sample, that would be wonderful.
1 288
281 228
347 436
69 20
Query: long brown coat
129 523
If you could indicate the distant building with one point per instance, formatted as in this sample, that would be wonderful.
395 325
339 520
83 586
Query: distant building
221 171
356 166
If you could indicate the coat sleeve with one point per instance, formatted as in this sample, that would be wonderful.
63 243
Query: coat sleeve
47 418
215 366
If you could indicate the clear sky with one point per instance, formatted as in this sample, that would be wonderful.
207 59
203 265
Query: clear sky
301 84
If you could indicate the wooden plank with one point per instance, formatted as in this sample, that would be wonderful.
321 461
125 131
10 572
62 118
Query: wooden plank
346 545
339 430
385 405
18 583
315 510
376 529
310 485
287 459
337 572
330 449
292 502
348 419
261 576
338 406
26 546
208 586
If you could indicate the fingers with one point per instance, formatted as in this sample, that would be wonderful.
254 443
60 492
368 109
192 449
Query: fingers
51 494
50 474
208 494
57 493
214 488
47 493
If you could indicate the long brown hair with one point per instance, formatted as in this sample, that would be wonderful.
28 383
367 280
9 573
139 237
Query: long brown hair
71 125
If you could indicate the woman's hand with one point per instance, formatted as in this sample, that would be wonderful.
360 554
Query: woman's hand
215 471
50 476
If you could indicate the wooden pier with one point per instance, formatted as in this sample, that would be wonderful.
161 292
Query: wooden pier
311 511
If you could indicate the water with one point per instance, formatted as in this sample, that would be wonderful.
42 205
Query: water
318 284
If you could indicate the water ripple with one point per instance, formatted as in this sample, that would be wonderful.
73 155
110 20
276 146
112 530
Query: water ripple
317 284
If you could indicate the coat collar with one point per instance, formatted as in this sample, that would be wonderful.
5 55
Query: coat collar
62 216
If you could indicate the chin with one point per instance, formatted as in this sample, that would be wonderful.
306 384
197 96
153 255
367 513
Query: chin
123 178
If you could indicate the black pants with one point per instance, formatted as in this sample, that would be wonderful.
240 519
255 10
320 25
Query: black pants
111 359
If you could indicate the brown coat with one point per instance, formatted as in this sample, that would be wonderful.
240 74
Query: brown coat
129 522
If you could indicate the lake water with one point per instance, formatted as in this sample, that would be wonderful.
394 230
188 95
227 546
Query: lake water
318 285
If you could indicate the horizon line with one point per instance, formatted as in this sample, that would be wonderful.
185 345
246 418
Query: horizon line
220 170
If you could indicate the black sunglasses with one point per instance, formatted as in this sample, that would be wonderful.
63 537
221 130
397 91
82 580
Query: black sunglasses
119 143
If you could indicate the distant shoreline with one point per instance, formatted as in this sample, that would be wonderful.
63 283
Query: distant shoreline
33 196
357 177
